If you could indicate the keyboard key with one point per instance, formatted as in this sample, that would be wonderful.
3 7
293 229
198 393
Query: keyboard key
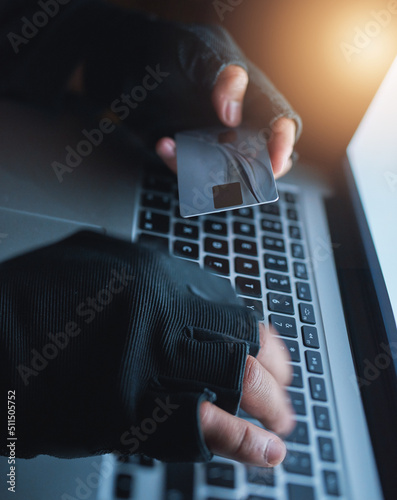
245 247
220 474
179 216
294 232
270 208
260 475
123 486
146 461
280 303
313 362
215 227
213 245
186 249
155 183
245 212
290 197
221 215
300 434
251 497
321 418
152 239
326 449
246 266
217 265
298 462
248 286
158 201
255 306
273 226
297 251
188 231
317 388
300 492
306 313
292 214
310 337
271 243
293 348
179 481
303 291
300 271
152 221
244 229
298 402
275 262
278 282
331 483
297 380
285 326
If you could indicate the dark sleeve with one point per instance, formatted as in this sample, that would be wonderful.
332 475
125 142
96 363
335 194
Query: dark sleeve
111 346
156 76
42 43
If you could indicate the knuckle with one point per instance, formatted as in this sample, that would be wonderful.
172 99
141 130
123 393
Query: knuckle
206 411
244 442
263 335
253 377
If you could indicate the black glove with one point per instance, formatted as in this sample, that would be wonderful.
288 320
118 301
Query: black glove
186 60
111 346
120 51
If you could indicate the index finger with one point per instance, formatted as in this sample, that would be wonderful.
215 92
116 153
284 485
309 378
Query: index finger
281 144
235 438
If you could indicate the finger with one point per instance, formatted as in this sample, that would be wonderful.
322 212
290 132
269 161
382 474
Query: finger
264 399
234 438
228 94
281 144
274 356
166 149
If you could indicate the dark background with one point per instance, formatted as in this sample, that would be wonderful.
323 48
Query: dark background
298 44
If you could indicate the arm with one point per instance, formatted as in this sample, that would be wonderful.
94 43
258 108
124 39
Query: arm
110 346
104 51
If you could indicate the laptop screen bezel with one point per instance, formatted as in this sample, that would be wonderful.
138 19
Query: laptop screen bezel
369 320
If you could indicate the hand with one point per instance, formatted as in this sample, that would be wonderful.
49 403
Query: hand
265 399
227 99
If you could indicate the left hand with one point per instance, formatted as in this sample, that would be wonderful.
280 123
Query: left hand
228 99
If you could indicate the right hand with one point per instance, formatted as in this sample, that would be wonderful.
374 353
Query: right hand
265 398
228 94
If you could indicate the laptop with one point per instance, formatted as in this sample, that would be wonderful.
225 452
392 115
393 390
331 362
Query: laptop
318 265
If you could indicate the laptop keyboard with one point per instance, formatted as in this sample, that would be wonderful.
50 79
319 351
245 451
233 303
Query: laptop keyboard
262 251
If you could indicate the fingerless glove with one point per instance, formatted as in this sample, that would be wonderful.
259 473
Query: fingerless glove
112 346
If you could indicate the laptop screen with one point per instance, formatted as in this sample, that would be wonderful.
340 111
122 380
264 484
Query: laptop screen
372 155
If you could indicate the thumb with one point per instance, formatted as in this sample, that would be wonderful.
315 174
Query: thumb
228 94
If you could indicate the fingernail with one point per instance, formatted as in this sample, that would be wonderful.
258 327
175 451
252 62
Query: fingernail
233 112
169 149
274 452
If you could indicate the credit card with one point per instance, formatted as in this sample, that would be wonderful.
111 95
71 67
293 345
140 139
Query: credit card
222 169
